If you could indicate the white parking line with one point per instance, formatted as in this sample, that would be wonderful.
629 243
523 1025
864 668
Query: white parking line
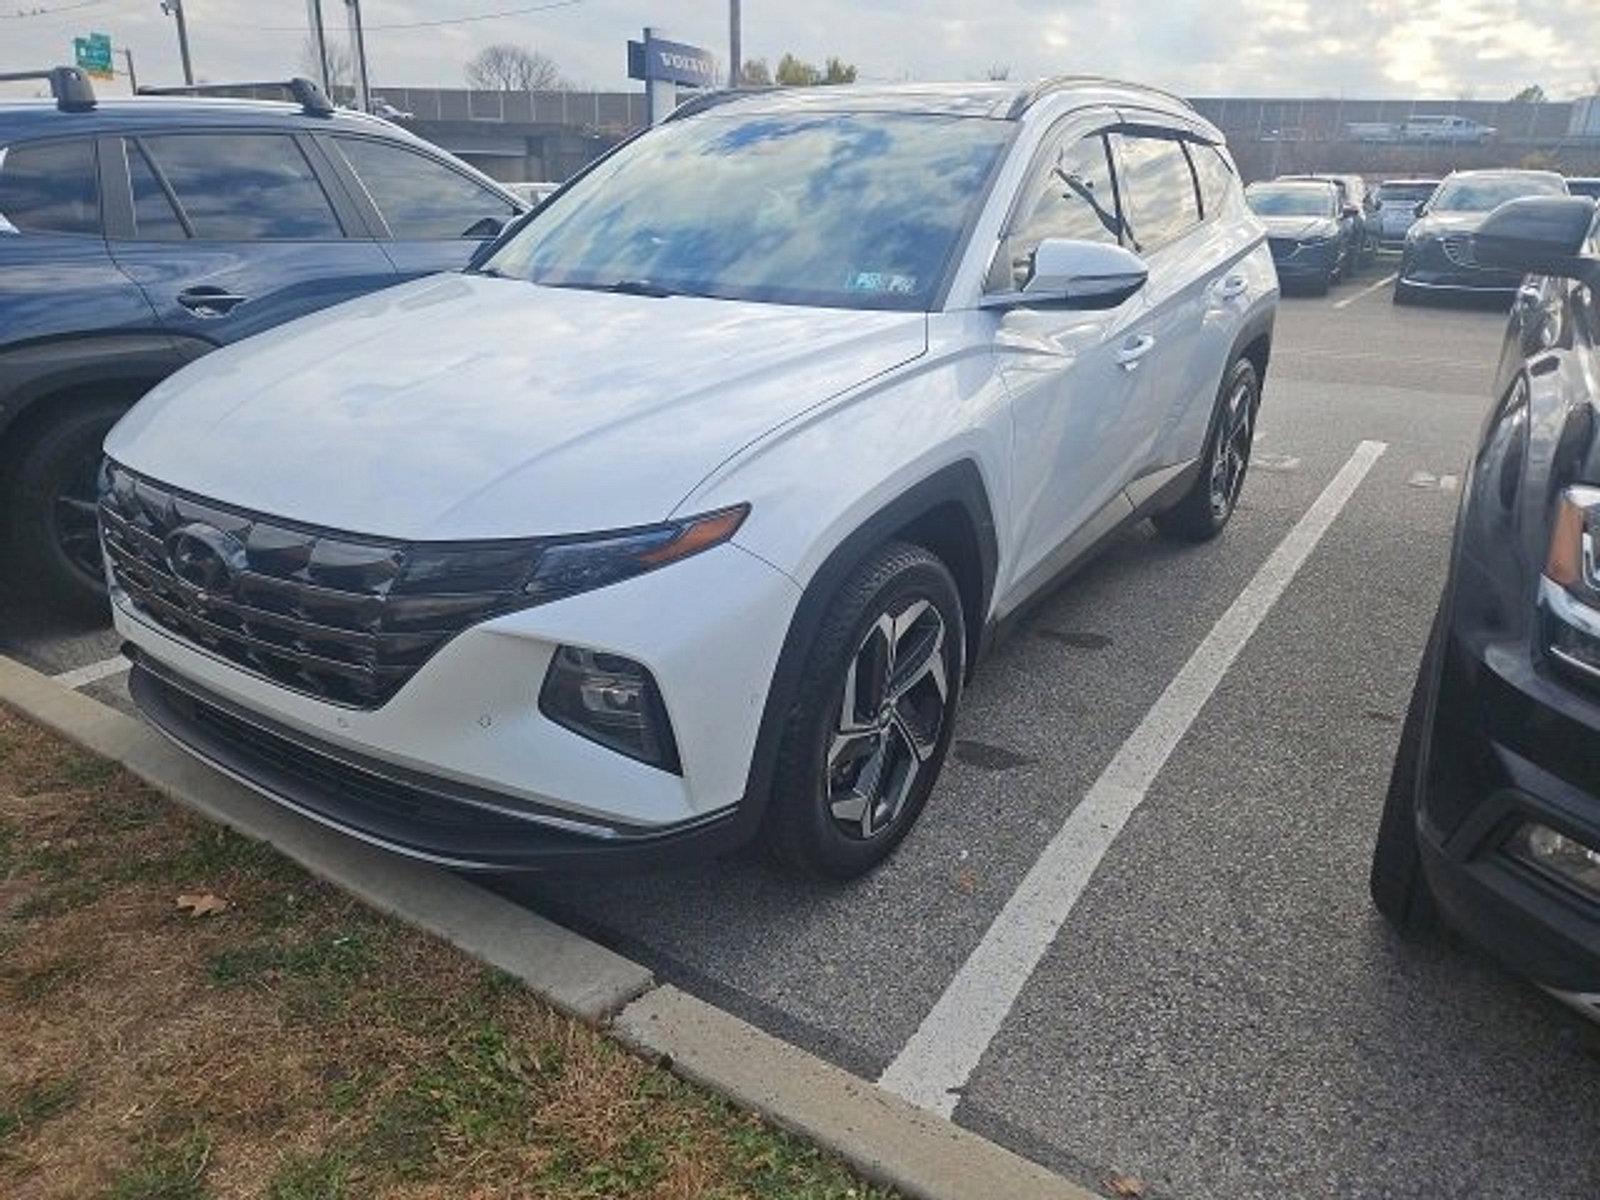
1366 291
93 673
936 1063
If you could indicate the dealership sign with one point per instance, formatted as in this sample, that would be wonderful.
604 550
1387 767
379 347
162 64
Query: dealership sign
671 62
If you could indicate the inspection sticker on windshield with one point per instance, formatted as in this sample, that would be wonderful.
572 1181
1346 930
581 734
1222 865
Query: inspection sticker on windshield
880 281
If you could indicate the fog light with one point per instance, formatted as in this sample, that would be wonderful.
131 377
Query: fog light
1557 854
611 700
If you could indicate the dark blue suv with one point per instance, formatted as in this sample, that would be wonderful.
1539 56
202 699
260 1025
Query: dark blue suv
136 235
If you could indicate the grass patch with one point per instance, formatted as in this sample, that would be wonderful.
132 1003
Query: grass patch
295 1045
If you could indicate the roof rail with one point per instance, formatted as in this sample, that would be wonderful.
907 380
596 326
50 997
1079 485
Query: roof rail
702 101
70 86
303 91
1034 93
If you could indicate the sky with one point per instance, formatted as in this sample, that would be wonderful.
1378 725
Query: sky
1478 49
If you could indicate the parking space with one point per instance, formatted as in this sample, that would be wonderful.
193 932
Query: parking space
1220 1011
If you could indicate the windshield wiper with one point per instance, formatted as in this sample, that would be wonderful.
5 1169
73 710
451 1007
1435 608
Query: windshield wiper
623 287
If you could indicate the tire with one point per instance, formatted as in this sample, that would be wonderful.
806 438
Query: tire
1404 293
50 535
1323 285
1399 886
1202 512
847 784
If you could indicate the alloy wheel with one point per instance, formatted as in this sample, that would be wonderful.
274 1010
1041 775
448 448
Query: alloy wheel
892 709
1231 453
74 518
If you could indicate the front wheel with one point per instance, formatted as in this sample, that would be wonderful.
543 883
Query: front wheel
1210 501
868 734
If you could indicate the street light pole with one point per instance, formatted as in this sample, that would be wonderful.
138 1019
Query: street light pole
319 41
735 51
359 43
133 80
174 9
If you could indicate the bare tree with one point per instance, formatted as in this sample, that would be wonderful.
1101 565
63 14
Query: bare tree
505 67
341 63
999 72
756 73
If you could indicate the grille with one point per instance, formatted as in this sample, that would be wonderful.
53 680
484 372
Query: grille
342 617
1458 249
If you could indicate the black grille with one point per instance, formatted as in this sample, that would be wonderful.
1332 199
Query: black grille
343 617
1458 248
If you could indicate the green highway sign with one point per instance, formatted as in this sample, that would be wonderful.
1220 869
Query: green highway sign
93 55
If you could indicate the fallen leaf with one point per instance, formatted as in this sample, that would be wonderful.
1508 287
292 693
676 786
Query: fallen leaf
1129 1186
202 904
967 880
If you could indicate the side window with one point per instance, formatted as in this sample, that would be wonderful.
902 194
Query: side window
154 218
49 187
1158 189
1218 183
244 187
1074 198
421 199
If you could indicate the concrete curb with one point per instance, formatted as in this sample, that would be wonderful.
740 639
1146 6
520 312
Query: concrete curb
884 1138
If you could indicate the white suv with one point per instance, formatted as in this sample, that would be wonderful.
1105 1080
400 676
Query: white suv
681 517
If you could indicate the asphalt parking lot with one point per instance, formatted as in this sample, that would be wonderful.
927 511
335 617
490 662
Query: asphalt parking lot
1215 1007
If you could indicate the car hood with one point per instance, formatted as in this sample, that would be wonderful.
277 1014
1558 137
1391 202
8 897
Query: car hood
1300 227
1438 223
464 406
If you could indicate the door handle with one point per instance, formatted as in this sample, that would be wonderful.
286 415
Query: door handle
1134 349
1233 286
209 301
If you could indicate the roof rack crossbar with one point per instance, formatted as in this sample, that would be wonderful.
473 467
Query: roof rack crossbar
304 92
70 87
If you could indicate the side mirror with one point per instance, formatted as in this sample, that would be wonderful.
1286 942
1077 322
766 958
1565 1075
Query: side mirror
1069 273
1539 235
484 227
1421 210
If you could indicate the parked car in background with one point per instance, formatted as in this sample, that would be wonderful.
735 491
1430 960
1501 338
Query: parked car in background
1584 186
676 522
1446 128
532 194
1313 234
1438 256
138 235
1492 821
1354 195
1397 201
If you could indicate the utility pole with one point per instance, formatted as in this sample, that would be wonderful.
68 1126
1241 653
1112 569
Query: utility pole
359 42
174 9
133 80
319 44
735 51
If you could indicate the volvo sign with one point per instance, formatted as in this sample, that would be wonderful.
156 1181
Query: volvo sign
664 66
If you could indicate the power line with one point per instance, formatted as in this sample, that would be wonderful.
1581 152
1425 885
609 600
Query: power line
491 16
48 12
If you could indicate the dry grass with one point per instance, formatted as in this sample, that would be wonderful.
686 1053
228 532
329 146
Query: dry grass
296 1046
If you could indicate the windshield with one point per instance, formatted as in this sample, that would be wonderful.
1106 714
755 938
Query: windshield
1291 202
857 211
1482 195
1404 193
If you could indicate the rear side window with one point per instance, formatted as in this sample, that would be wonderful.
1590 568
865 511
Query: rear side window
421 199
1158 189
244 187
49 187
154 217
1218 183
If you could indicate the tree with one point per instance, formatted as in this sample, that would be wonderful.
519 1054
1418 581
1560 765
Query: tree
756 73
795 72
505 67
341 63
999 72
1532 94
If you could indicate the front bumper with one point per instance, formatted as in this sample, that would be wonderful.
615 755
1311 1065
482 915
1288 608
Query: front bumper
461 767
1508 745
1427 265
1303 262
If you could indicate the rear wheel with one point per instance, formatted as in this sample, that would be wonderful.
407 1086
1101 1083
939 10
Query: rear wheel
869 731
1399 887
50 502
1208 504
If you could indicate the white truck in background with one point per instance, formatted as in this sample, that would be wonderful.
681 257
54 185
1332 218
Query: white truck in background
1446 128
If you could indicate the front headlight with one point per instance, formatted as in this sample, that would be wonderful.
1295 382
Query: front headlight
565 568
1569 592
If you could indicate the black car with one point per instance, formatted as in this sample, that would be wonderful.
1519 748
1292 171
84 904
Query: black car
137 235
1362 204
1492 821
1438 259
1313 234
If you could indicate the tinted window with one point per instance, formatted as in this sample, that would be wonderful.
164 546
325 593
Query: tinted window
244 187
861 210
1292 200
49 187
1075 198
420 198
1217 180
1157 189
153 215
